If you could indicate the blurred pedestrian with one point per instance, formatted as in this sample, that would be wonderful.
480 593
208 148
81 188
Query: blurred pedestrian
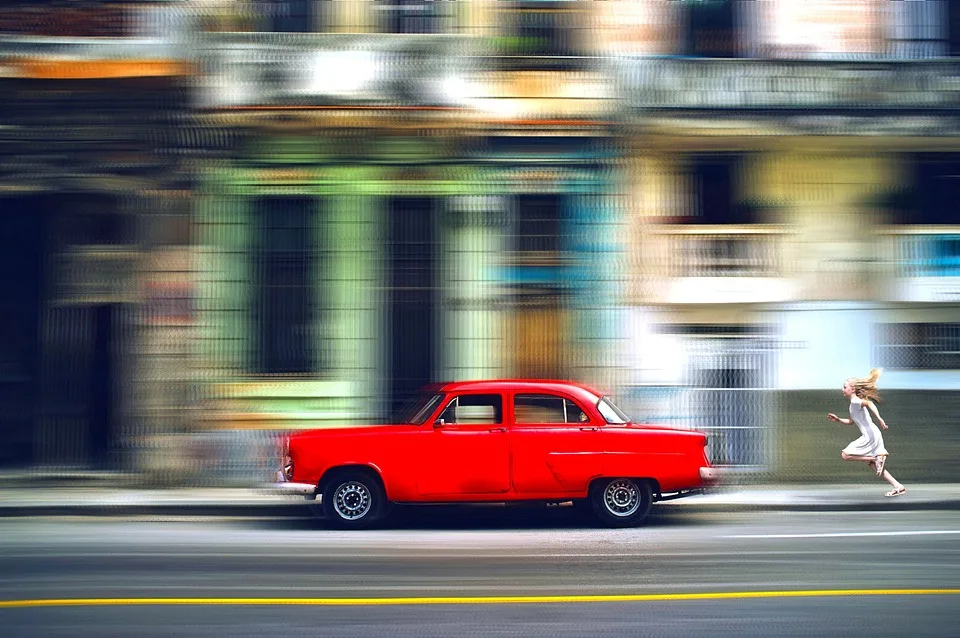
868 447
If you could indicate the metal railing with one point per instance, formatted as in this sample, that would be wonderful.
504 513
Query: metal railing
924 251
797 84
687 250
330 68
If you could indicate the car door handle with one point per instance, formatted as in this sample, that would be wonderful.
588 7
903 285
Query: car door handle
498 429
592 429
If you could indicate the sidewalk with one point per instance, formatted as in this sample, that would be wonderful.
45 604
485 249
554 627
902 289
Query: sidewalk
825 497
104 501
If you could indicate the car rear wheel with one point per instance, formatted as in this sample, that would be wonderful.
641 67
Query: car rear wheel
353 500
621 502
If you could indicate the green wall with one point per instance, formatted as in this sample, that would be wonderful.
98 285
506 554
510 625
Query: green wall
923 439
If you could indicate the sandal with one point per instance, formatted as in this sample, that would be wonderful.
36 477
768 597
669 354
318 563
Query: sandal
896 492
880 462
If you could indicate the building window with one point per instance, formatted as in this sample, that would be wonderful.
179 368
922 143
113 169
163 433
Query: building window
711 29
716 190
712 185
294 16
57 18
923 28
928 255
713 190
845 29
938 188
543 30
930 195
918 346
538 224
916 29
284 304
411 16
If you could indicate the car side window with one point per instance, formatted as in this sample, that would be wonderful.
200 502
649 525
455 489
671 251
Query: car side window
546 408
481 409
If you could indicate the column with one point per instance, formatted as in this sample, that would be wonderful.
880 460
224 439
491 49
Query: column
473 336
348 281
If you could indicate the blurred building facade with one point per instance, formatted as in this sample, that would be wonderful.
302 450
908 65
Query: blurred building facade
792 166
229 218
92 193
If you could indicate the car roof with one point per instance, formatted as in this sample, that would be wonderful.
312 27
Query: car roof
522 385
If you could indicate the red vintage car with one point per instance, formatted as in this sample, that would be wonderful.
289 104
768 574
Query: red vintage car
498 441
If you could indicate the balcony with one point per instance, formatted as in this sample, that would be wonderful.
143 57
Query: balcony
925 263
332 69
694 264
798 93
440 73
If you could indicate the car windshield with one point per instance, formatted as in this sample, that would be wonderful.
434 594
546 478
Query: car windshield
419 408
610 412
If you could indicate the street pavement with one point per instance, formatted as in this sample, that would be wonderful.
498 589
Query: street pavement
686 572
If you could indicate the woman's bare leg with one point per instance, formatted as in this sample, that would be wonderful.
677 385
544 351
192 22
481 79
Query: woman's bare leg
888 477
856 457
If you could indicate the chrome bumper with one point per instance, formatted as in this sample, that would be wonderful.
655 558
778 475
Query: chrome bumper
710 473
283 486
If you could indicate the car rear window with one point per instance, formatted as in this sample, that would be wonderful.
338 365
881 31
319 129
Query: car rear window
545 408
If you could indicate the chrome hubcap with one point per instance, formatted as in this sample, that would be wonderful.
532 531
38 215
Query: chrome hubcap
352 500
621 497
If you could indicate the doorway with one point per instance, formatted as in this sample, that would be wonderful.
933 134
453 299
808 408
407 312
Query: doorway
413 298
22 232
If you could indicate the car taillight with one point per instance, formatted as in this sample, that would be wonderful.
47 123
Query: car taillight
286 461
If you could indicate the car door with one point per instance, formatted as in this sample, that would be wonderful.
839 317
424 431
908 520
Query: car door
465 450
555 444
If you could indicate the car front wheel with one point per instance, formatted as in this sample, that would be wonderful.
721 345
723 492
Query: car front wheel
353 500
621 502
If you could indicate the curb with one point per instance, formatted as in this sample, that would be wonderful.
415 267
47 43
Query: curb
189 510
295 510
840 506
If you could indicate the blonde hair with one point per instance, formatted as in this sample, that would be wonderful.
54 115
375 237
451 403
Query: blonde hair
866 387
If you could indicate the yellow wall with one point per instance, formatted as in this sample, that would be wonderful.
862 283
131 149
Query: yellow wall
826 201
821 200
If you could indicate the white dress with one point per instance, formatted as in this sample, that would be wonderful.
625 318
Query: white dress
870 442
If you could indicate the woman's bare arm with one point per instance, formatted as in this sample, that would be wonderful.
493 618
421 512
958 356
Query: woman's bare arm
834 417
873 408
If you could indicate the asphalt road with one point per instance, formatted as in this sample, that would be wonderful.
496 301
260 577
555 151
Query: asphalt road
486 573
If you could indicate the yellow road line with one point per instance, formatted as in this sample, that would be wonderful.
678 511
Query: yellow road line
470 600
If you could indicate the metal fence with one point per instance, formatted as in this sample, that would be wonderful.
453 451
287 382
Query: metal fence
740 423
